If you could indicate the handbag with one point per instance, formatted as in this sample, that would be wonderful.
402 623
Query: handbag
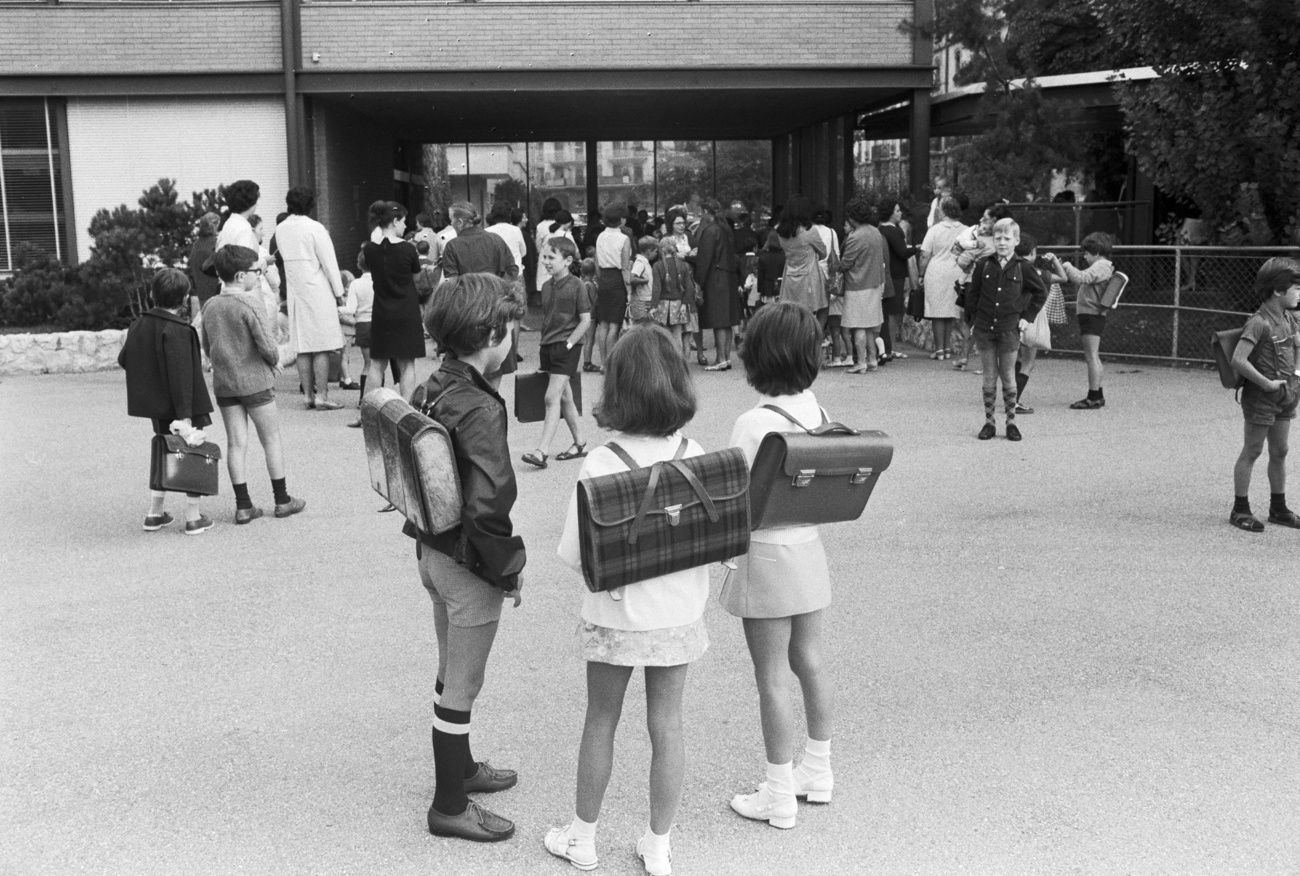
671 516
916 303
530 395
1038 334
412 463
822 475
1055 305
177 467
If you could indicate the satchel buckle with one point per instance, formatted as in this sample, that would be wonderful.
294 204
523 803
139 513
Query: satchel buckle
674 513
804 477
863 475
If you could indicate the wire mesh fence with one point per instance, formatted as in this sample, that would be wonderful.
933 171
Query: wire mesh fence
1177 297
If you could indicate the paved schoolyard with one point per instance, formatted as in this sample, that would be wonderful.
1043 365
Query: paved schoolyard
1051 657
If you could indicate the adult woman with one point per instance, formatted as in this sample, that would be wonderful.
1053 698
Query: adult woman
939 267
862 264
716 268
241 196
559 225
675 232
900 255
802 281
395 329
550 207
203 249
314 291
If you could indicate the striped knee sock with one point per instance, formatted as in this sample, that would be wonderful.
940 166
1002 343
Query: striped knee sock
990 401
450 751
1009 402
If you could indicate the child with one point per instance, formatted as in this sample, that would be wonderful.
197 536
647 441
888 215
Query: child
360 304
1004 297
566 313
1092 308
587 275
1266 357
781 587
614 261
347 321
641 300
245 361
771 265
658 624
674 294
1028 249
470 570
164 382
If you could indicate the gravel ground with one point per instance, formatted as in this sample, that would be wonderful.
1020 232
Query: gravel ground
1050 657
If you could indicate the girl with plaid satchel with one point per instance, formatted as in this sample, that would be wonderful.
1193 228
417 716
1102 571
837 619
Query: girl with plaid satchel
657 624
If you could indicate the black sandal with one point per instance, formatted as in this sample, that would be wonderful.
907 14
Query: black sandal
1245 521
533 459
1088 404
567 455
1285 518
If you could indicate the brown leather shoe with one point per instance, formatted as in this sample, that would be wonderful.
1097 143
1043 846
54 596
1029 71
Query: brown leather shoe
489 779
475 823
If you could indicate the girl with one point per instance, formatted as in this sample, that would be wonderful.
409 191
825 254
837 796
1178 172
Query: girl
674 293
587 275
566 313
658 624
781 586
361 302
395 330
1041 332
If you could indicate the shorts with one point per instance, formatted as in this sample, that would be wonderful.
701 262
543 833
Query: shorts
1006 342
468 600
363 334
1092 324
256 400
557 358
639 311
1263 408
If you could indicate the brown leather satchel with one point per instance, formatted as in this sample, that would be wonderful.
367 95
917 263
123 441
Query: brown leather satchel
530 395
179 468
412 463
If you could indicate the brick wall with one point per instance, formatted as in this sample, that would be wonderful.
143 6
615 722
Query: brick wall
354 167
124 38
578 35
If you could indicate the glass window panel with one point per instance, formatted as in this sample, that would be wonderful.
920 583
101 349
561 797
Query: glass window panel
626 174
745 177
683 175
31 206
438 194
558 170
496 172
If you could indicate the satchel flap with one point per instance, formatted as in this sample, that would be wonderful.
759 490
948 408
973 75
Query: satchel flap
613 499
832 455
208 450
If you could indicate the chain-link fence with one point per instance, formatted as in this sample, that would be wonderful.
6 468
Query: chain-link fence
1067 224
1177 296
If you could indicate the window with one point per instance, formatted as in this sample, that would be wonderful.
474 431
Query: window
31 183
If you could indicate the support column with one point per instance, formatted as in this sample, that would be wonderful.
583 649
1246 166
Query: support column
290 59
919 161
593 180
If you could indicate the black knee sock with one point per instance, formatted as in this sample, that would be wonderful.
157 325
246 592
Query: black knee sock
1277 503
241 496
1022 380
1094 394
437 692
362 394
281 491
392 366
889 340
450 752
1241 505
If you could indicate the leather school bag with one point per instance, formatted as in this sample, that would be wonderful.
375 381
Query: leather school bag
1222 346
175 466
667 517
821 475
411 461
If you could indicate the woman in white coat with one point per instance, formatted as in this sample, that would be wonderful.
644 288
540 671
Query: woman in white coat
314 291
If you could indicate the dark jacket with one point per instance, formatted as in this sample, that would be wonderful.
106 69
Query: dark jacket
164 371
771 263
1000 297
474 251
475 417
716 251
899 253
205 285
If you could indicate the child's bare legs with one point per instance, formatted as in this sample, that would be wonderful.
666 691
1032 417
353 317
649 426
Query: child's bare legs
405 371
1092 356
1277 437
838 350
606 335
559 402
968 341
589 342
683 341
606 685
778 647
314 372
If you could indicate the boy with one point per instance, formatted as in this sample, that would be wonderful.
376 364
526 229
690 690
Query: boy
1005 295
1266 356
245 361
471 569
1093 305
360 306
642 281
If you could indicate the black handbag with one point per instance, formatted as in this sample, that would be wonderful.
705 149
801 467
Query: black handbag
530 395
822 475
176 467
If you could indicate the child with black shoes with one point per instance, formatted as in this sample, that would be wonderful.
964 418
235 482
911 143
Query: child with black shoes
470 570
1266 357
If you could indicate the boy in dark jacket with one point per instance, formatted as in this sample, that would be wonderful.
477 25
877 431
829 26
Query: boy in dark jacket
1005 295
164 382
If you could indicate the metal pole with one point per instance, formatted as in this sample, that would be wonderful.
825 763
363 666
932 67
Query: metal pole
1078 223
4 211
54 191
1178 291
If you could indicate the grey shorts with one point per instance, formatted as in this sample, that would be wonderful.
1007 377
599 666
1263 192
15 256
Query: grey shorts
468 600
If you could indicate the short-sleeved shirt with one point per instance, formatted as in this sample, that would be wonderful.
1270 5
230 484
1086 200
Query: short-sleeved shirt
563 303
1275 344
641 268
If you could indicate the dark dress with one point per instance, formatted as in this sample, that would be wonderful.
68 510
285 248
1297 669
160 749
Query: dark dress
899 254
205 286
395 328
716 273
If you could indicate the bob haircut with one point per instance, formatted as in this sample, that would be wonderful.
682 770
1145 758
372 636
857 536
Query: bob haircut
796 215
773 241
169 288
859 210
1278 274
470 311
673 215
300 201
1028 243
550 207
1097 243
232 259
950 207
783 349
613 215
647 390
564 247
241 195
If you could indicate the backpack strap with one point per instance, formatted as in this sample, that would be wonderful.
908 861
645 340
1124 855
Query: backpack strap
826 427
656 471
624 456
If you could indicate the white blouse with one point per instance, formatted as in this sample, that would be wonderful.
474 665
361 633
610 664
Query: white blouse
753 425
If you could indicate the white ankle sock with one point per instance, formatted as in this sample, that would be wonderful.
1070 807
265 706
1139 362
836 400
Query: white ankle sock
816 757
583 832
654 843
780 779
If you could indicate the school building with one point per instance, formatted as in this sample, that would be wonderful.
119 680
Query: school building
586 100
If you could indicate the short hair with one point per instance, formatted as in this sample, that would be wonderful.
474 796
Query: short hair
950 207
647 244
1097 243
559 219
711 205
613 214
169 288
241 195
773 241
464 211
997 211
384 213
500 212
423 220
783 349
587 268
1010 226
231 259
209 224
470 311
647 389
672 216
254 221
422 247
361 259
516 215
860 211
300 200
1028 243
1278 274
563 246
550 207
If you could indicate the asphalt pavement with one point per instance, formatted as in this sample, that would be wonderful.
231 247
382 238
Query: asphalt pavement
1050 657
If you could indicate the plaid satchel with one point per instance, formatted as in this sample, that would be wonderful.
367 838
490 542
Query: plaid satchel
671 516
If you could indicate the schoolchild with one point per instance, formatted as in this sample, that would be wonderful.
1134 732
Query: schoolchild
566 314
658 624
782 586
470 570
1042 329
674 294
587 274
245 361
641 280
771 265
1266 357
614 263
360 306
164 382
1092 307
1006 292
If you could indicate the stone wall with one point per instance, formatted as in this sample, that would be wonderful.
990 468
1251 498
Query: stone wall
61 353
